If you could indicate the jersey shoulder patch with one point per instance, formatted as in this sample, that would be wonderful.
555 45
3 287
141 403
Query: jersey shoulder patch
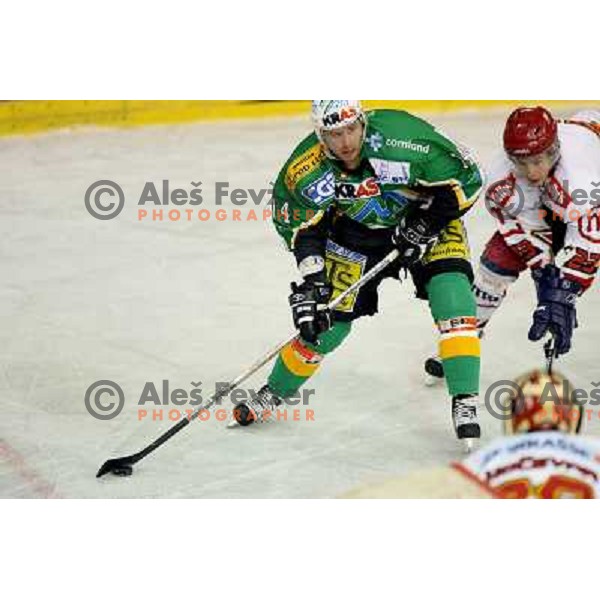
306 159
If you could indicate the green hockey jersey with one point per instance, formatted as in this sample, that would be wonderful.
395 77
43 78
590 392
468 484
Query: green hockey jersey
404 159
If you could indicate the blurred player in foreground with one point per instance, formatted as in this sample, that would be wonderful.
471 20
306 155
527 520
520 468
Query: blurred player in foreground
540 456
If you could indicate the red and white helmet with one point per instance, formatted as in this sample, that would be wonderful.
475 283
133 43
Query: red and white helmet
332 114
530 131
542 402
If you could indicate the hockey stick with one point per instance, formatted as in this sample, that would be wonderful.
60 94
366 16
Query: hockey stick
123 466
549 352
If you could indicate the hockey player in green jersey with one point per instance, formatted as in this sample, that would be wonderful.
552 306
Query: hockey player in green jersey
361 185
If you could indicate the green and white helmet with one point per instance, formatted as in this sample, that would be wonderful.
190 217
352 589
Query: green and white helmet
332 114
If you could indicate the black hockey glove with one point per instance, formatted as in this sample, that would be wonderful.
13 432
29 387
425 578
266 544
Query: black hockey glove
413 236
308 301
555 312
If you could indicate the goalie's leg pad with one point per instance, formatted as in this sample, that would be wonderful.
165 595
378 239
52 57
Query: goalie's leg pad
299 360
453 309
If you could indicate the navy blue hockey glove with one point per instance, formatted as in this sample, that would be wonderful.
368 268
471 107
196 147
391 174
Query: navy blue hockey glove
413 236
308 301
555 312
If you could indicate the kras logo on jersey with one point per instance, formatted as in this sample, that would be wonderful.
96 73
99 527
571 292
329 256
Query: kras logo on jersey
357 191
321 190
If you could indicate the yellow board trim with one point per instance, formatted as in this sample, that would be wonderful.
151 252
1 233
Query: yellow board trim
459 346
33 116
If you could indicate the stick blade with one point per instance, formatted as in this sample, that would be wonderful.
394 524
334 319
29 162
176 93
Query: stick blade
117 466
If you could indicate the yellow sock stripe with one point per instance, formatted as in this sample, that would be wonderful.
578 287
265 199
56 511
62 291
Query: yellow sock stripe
295 363
459 346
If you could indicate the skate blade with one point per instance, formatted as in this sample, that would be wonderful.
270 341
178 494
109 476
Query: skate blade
469 445
233 424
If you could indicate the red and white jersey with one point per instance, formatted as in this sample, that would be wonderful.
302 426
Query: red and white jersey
538 465
571 194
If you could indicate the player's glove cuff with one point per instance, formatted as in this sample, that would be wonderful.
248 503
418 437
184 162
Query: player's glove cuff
413 236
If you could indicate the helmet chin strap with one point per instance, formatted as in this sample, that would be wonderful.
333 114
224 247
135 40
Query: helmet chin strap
327 151
555 159
556 154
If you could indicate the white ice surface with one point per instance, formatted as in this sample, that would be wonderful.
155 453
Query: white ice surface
83 300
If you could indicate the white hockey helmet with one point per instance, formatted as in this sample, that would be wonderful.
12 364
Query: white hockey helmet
332 114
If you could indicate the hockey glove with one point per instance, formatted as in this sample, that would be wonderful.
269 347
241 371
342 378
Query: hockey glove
309 307
555 312
413 236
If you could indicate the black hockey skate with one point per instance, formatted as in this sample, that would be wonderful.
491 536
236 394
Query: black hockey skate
464 417
258 408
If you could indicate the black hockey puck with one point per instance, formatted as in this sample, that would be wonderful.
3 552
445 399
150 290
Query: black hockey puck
434 368
122 471
243 415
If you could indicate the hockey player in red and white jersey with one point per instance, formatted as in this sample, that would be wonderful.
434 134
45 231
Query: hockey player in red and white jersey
540 455
544 192
545 196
